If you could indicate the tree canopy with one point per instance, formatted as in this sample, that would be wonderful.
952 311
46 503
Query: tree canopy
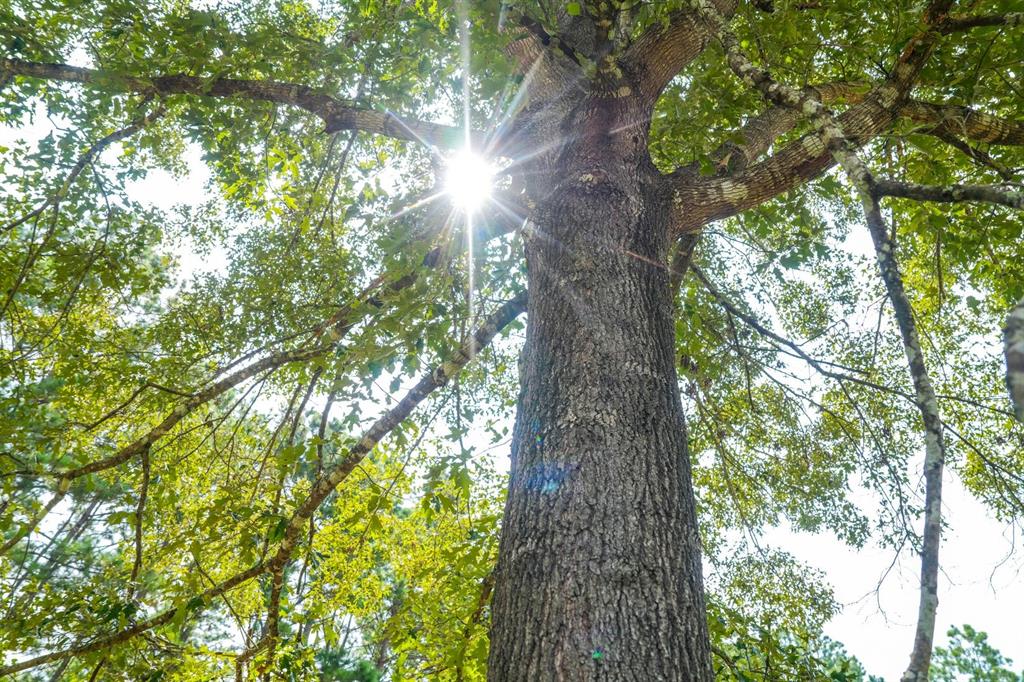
262 434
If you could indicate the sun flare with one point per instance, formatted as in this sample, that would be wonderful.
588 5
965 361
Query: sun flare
469 180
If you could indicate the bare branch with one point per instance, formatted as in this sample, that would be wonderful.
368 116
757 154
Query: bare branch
935 447
140 508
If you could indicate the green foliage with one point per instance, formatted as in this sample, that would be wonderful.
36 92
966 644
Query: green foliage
117 311
969 656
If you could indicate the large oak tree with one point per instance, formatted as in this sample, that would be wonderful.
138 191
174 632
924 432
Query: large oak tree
764 251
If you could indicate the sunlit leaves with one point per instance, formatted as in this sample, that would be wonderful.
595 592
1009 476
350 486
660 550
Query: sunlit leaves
118 312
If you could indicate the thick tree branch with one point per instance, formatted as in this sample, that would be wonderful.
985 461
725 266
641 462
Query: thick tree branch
702 200
682 259
759 132
975 154
990 194
967 22
486 588
272 633
662 51
961 121
948 122
965 122
335 113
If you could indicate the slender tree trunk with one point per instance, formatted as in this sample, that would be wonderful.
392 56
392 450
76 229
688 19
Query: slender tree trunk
599 571
935 447
1013 347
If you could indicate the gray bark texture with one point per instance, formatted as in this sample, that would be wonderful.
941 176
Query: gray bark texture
599 570
1013 347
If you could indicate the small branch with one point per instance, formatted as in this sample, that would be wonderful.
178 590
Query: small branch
128 633
139 509
335 329
128 401
537 30
759 132
990 194
33 522
486 587
83 161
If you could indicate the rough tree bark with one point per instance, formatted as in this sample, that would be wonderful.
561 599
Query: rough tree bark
599 570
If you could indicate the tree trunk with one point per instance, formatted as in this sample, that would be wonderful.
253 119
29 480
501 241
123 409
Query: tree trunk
599 571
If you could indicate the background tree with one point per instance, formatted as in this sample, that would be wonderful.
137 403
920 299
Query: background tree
227 473
970 654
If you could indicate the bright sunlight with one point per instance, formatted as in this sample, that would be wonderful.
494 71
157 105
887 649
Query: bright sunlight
469 180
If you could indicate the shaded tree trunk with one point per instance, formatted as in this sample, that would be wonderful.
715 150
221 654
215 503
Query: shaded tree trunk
599 572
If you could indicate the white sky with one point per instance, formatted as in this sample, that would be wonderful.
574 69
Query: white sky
980 585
